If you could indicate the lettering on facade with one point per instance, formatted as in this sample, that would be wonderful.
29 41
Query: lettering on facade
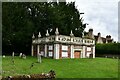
67 39
77 40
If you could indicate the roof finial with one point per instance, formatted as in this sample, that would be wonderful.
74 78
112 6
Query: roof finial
57 32
47 34
71 33
33 36
83 34
39 35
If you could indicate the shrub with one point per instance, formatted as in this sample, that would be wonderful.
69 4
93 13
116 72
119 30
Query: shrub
109 48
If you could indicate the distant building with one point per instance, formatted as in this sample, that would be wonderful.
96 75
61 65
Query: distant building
61 46
98 38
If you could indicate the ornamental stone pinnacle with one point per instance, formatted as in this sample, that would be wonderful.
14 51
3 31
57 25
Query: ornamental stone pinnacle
71 33
57 32
83 34
33 36
47 34
39 35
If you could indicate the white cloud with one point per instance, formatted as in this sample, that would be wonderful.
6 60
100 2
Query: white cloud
101 15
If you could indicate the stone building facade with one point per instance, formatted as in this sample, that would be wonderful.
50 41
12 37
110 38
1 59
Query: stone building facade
61 46
98 38
102 40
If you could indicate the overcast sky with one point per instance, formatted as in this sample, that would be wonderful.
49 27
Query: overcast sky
101 15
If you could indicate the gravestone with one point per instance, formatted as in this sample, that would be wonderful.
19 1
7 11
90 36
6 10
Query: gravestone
13 54
20 55
23 56
39 57
3 56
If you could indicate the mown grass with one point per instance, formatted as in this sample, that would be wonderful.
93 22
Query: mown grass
64 68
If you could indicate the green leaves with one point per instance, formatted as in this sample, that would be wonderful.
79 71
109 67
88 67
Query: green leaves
109 48
25 18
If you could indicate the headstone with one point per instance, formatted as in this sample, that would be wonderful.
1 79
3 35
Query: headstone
20 55
3 56
113 57
39 57
13 54
24 56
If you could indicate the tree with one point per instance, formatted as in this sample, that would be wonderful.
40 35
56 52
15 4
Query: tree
21 20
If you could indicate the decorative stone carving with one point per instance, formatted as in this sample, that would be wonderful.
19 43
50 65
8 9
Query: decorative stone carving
83 34
57 32
33 36
39 35
71 33
47 34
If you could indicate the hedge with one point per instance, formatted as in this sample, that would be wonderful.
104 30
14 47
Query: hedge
108 48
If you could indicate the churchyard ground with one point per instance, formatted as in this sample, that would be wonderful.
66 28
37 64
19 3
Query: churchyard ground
64 68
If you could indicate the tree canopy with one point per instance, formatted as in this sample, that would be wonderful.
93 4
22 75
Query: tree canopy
21 19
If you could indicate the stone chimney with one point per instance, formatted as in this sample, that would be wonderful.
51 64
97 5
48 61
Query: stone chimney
99 40
99 34
108 37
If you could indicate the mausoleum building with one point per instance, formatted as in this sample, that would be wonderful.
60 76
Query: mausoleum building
61 46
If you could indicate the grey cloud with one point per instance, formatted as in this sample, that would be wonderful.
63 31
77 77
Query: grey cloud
101 15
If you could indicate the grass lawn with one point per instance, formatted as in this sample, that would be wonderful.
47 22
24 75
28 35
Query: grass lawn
64 68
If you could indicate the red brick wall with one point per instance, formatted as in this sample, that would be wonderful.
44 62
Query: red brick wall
69 50
91 50
41 48
34 50
60 51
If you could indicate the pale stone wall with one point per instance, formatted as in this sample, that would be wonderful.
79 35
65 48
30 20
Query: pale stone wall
72 51
56 51
45 50
83 52
32 50
38 49
58 41
99 40
94 52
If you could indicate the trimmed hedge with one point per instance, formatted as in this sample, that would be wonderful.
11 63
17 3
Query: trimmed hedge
109 48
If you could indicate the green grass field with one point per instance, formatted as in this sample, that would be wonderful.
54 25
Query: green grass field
64 68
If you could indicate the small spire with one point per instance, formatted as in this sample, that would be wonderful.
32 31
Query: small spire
83 34
47 34
57 32
71 33
33 36
39 35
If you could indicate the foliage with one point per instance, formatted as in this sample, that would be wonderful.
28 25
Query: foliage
73 68
22 19
109 48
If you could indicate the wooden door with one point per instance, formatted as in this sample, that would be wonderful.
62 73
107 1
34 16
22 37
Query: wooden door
77 54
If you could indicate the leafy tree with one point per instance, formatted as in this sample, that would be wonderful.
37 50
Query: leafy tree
21 19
